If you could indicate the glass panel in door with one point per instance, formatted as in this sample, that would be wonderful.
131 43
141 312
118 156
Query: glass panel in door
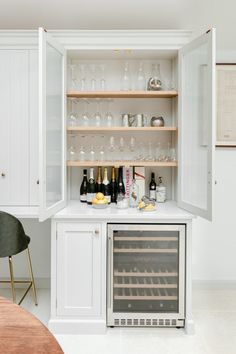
196 120
146 271
52 126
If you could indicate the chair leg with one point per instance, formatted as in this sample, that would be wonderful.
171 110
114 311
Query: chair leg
32 277
12 279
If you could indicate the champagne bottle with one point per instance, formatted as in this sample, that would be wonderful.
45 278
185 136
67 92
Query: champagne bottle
91 190
99 181
152 187
83 188
113 185
120 183
106 186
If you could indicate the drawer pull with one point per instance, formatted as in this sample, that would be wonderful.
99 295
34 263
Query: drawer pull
96 232
3 174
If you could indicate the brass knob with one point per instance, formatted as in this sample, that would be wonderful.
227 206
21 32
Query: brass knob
3 174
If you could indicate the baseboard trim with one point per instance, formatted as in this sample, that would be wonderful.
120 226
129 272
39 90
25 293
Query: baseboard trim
70 326
214 284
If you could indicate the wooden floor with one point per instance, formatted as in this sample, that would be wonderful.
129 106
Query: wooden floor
22 333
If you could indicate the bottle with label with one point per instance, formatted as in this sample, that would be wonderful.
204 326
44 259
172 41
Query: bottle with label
133 193
120 183
113 186
152 187
106 186
83 188
91 190
99 181
161 192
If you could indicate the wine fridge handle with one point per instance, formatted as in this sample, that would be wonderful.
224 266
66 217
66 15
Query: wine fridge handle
110 267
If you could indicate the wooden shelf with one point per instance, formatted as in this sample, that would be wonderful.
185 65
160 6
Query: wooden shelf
120 129
122 94
121 163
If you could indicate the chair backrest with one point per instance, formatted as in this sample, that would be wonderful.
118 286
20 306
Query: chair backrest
13 239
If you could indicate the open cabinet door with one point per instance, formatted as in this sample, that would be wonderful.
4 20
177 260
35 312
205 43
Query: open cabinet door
197 125
52 132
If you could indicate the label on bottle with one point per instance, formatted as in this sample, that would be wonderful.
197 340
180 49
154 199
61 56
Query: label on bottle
152 194
83 197
90 197
161 194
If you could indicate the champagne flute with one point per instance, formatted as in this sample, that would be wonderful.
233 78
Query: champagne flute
85 114
97 115
109 119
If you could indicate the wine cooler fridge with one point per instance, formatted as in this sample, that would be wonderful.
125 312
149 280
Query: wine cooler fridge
146 275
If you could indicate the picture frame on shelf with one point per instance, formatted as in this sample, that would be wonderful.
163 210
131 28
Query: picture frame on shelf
226 105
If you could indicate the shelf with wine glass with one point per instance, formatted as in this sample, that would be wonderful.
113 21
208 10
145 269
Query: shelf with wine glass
122 94
119 129
78 163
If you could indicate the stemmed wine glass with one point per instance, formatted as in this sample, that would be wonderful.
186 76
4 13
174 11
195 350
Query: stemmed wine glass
82 68
72 148
102 79
97 115
74 80
85 114
101 156
73 117
82 153
141 80
112 147
93 77
92 150
109 119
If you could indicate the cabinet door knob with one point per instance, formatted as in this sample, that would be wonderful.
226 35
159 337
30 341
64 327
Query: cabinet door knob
3 174
37 181
96 232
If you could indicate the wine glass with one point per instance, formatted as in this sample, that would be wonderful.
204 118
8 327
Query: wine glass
82 153
141 80
102 149
92 150
112 147
74 79
85 114
109 119
73 117
125 80
102 79
72 148
149 156
82 69
93 77
97 115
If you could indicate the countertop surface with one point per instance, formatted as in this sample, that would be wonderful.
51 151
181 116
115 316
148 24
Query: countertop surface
77 210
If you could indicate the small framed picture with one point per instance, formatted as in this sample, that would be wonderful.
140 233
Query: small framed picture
226 105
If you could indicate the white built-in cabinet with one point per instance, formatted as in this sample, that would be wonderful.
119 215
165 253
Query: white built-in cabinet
80 269
19 171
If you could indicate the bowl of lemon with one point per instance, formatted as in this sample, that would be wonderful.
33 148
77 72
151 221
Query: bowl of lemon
146 204
100 201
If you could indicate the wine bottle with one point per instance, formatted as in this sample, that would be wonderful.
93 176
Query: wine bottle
91 189
83 188
113 186
99 181
120 183
106 186
152 187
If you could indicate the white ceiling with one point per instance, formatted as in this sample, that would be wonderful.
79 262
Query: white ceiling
198 15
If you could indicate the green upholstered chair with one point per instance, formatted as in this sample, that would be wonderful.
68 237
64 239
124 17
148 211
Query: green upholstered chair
13 240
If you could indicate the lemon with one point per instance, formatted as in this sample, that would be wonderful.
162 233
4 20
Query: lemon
100 196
